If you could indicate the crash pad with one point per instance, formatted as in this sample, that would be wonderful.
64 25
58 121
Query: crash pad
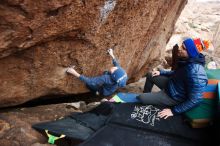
204 114
115 135
77 126
124 97
133 121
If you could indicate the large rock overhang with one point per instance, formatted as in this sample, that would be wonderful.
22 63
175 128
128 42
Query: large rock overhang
39 39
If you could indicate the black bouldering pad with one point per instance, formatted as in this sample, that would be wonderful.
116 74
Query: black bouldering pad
113 124
78 126
116 135
145 117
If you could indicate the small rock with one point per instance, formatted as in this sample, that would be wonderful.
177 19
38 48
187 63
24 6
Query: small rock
91 105
4 126
76 105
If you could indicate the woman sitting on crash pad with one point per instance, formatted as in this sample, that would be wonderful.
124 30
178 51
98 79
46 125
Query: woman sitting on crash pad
107 83
182 88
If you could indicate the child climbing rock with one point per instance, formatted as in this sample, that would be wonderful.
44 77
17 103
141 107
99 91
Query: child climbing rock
107 83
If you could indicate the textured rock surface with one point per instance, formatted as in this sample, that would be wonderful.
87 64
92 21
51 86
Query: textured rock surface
39 39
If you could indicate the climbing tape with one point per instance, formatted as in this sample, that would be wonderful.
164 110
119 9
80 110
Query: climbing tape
52 138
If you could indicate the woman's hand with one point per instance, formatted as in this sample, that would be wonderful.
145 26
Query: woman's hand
165 113
155 73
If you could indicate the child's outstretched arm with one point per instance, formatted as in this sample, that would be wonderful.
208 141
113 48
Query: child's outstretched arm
100 80
110 52
72 71
115 62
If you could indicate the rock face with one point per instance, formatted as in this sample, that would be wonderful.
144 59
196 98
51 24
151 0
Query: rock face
39 39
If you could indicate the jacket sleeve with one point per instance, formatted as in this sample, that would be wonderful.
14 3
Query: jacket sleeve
195 87
115 62
100 80
166 73
187 105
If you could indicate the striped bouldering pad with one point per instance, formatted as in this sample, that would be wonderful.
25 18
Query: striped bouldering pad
203 115
219 91
213 73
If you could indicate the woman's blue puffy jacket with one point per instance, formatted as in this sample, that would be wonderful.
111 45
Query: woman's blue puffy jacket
187 83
